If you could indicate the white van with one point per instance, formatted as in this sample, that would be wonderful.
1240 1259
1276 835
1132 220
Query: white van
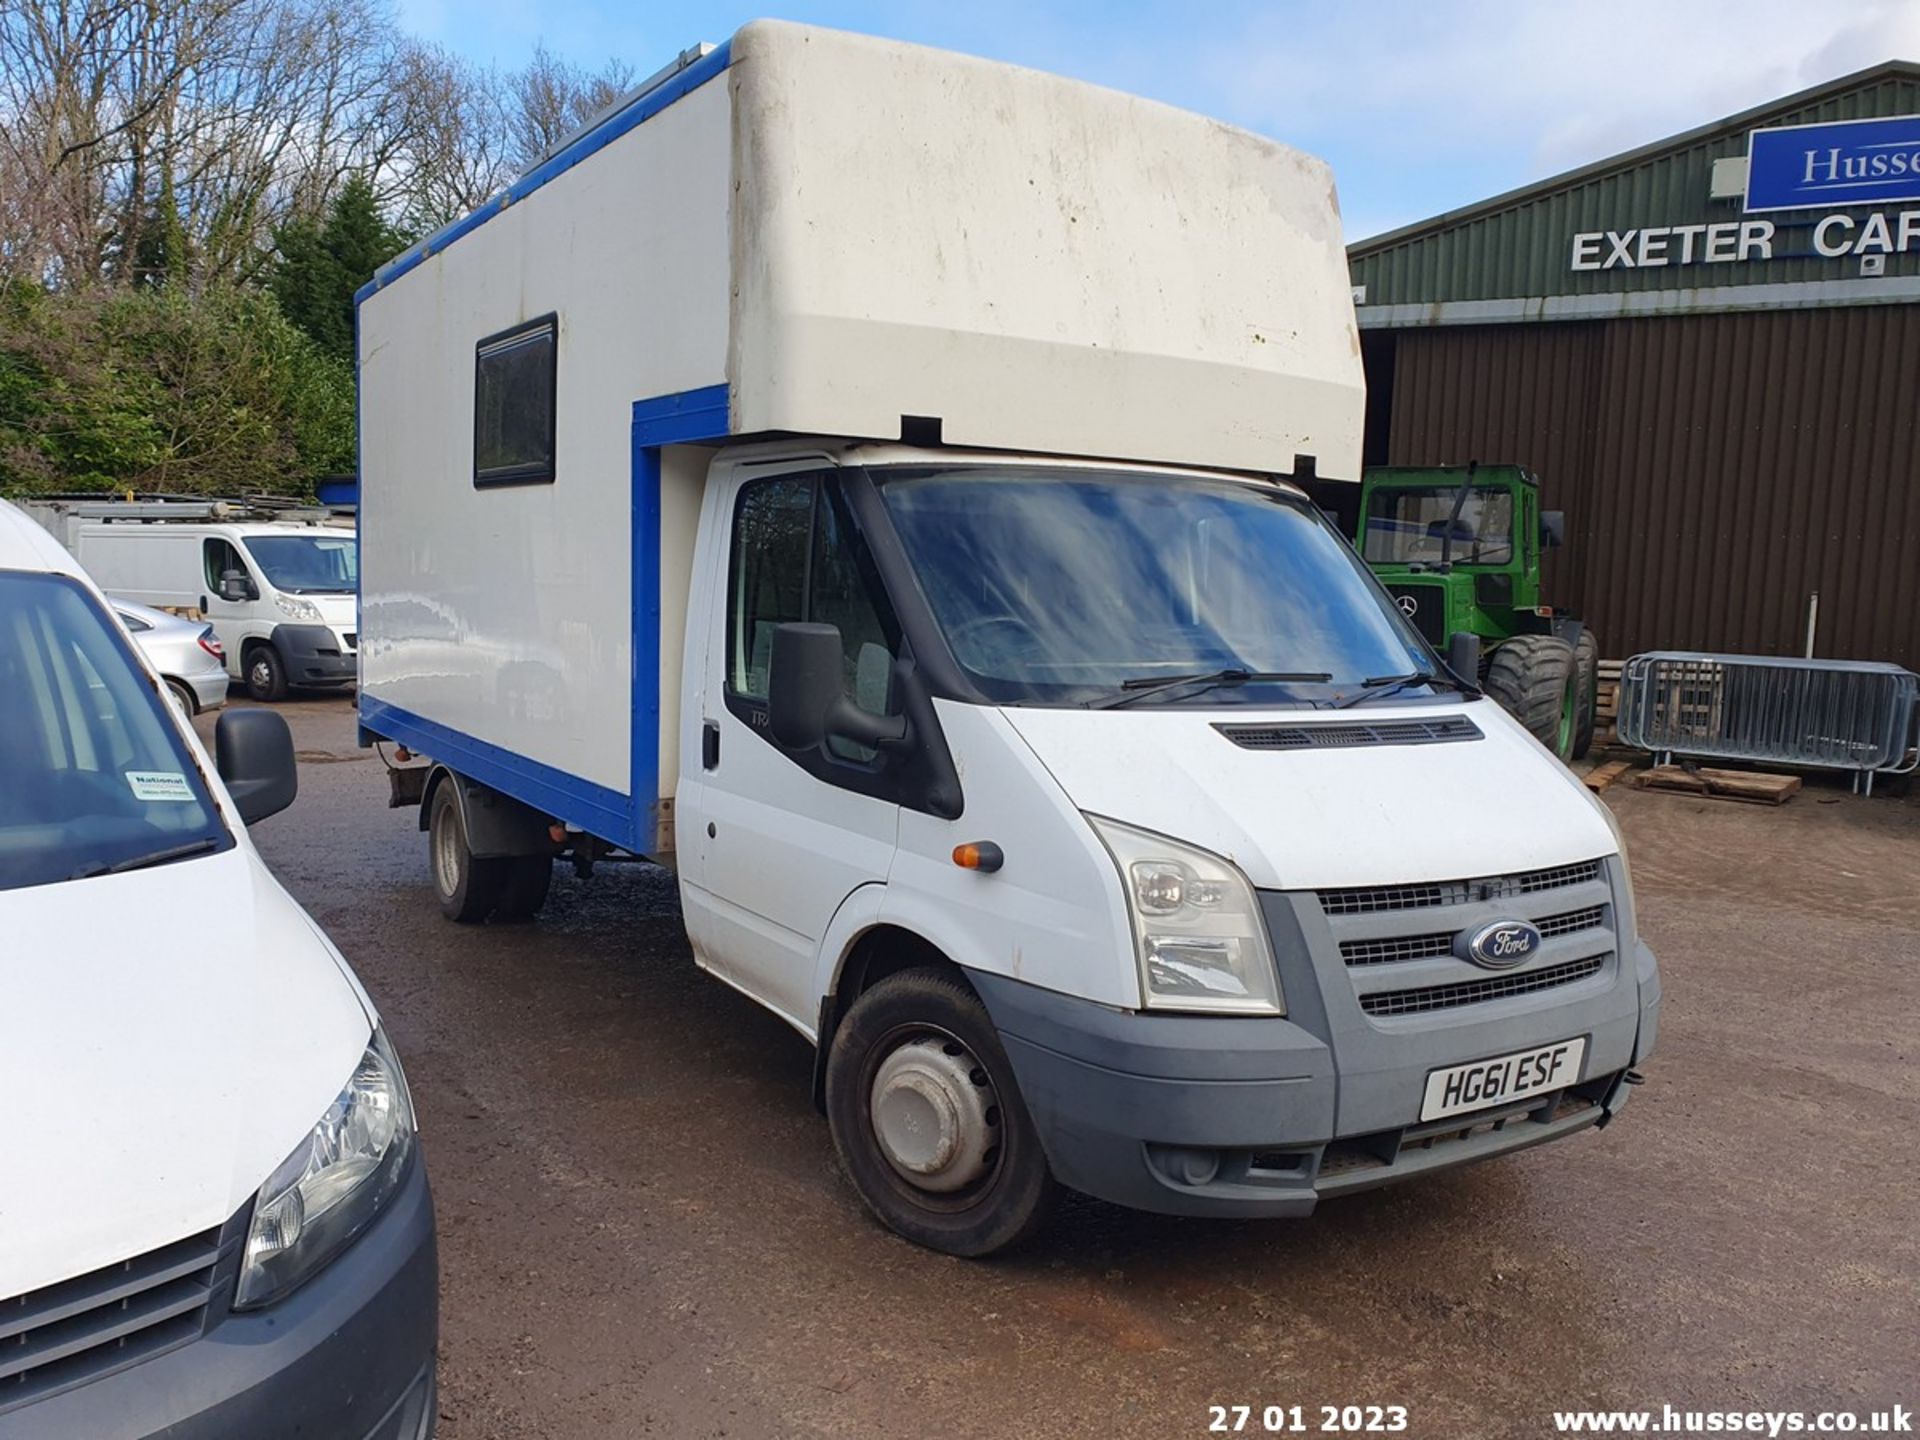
214 1216
865 478
279 595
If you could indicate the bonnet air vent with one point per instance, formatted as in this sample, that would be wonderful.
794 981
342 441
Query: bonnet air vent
1347 733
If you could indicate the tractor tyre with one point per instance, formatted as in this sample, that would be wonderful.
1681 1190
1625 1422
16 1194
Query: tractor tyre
1533 679
1586 674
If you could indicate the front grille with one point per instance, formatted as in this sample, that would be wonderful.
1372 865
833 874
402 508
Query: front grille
79 1329
1401 947
1396 948
1374 899
1425 606
1345 734
1474 992
1572 922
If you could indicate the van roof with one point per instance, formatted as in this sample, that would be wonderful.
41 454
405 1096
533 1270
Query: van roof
225 528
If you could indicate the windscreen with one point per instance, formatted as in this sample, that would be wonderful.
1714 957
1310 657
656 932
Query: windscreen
93 775
1409 525
1058 585
307 564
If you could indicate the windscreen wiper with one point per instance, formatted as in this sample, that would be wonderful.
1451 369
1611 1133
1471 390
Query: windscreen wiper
141 862
1377 686
1141 686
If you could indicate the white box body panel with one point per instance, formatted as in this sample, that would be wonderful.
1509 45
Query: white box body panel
1044 265
504 613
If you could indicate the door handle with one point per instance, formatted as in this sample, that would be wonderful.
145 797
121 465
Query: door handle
710 745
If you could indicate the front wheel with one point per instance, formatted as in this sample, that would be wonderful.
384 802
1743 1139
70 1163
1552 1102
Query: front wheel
266 674
1586 671
1533 679
928 1121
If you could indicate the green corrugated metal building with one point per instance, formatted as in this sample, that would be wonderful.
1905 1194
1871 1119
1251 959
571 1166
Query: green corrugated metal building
1715 372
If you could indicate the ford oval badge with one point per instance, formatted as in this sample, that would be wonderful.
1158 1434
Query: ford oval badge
1503 944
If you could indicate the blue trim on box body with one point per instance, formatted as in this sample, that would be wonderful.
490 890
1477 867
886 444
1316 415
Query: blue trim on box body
683 417
644 108
593 808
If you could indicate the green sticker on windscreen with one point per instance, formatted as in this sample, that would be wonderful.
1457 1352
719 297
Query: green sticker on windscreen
159 785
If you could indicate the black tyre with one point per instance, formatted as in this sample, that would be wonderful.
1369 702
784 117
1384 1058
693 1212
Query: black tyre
1532 676
929 1122
524 890
1586 671
183 699
265 674
468 889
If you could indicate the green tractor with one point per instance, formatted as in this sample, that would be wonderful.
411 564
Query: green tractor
1459 548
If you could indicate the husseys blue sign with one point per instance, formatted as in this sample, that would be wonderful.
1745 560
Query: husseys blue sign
1846 162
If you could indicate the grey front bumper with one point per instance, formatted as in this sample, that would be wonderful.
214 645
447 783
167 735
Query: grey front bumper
313 655
1215 1115
347 1356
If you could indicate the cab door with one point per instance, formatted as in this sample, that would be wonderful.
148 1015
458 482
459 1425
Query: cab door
234 621
782 839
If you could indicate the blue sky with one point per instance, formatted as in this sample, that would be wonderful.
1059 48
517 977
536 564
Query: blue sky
1420 107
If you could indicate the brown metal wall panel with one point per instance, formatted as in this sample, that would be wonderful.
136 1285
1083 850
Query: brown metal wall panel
1716 469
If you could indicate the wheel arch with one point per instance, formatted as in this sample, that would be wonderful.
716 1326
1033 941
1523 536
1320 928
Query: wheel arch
496 825
859 950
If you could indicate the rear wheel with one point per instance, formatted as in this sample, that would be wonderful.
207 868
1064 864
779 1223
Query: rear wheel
1533 678
928 1120
266 674
182 698
524 890
468 889
1586 670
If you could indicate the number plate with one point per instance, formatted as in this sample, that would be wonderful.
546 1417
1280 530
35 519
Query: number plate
1461 1088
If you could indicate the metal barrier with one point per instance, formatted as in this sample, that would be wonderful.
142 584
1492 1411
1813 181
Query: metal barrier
1819 714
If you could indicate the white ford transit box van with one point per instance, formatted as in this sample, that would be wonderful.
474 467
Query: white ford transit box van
214 1218
279 595
863 477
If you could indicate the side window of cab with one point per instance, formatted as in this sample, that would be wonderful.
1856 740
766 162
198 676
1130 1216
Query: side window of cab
796 556
220 557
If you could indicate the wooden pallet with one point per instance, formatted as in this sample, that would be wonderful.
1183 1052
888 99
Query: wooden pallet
1751 786
1601 776
1606 719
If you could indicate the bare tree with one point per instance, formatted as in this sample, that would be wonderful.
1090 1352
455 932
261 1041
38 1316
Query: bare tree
552 97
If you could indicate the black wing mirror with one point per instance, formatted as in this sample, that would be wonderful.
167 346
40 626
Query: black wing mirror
1553 529
253 751
235 586
806 697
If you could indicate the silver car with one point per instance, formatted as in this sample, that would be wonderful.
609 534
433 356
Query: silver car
185 652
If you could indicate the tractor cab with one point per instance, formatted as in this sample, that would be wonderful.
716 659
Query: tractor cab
1459 547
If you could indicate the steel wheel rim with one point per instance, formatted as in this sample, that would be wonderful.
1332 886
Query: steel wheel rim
261 674
935 1116
446 856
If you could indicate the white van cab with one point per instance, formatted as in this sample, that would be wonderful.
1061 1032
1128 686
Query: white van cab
214 1218
280 595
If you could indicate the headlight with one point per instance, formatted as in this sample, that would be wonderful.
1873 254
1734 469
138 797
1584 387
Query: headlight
294 608
333 1183
1196 926
1626 924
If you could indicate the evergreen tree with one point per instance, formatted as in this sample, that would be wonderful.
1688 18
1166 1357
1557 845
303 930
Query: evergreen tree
322 265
